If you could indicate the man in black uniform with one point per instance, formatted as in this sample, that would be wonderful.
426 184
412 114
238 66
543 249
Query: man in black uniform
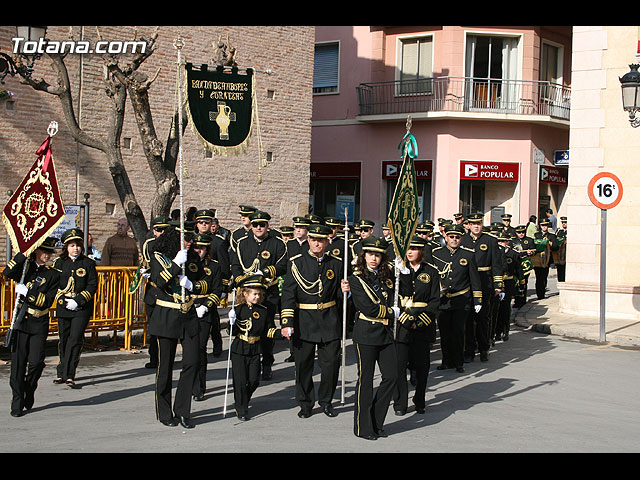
311 316
158 225
560 257
28 337
261 253
461 289
245 228
489 264
218 251
507 227
299 242
513 278
526 248
365 227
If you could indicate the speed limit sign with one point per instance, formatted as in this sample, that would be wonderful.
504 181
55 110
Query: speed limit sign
605 190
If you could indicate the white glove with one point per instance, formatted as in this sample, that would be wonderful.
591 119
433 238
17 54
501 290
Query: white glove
258 272
232 316
501 296
396 312
399 265
180 258
145 272
21 289
71 304
201 310
223 296
477 308
185 282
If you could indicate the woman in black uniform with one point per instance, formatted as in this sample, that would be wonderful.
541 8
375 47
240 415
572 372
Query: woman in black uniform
29 336
420 298
74 304
372 287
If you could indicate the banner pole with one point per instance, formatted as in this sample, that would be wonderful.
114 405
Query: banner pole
178 44
344 301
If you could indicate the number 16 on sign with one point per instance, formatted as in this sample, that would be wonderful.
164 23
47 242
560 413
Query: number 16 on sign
605 192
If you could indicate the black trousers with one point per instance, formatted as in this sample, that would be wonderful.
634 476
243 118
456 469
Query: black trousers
152 340
417 355
561 269
200 384
71 338
371 409
478 325
541 281
164 376
214 330
504 310
329 363
246 378
452 324
27 364
493 316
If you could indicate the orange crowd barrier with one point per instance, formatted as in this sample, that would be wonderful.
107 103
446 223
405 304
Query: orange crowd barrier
114 308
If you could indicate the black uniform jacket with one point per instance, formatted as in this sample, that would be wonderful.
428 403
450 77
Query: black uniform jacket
294 247
252 325
220 253
460 284
513 273
373 299
42 282
211 274
171 318
269 256
312 290
78 280
488 258
420 299
150 291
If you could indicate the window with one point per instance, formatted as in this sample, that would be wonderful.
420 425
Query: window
326 68
550 64
416 66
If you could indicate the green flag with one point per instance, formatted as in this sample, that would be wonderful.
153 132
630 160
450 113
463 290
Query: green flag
405 210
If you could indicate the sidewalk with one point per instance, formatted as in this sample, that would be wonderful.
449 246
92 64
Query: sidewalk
544 316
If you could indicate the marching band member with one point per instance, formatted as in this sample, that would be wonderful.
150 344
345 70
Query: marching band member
74 307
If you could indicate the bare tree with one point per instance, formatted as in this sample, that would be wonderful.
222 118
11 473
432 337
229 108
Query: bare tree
122 81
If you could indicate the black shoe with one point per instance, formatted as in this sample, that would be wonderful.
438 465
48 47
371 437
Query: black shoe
151 365
198 397
16 414
72 384
58 381
267 374
186 422
243 418
290 359
173 422
304 413
382 433
368 437
420 410
442 366
484 356
400 413
328 411
505 337
28 400
459 369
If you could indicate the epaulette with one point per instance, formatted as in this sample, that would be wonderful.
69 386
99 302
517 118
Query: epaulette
295 256
437 248
467 249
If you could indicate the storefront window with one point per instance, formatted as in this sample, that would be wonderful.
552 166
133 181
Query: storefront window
471 196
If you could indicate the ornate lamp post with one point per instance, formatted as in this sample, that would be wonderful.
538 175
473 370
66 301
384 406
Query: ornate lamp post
631 93
9 65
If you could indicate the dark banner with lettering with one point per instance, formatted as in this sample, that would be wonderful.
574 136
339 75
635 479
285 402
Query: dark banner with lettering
219 106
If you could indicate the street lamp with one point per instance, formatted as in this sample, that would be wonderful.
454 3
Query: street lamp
631 93
8 65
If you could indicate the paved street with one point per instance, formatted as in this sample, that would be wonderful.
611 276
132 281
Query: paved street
537 393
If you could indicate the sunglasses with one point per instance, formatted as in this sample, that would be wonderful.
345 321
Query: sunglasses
454 236
206 222
259 224
159 229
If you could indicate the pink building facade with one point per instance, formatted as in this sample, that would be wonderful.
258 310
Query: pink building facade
489 108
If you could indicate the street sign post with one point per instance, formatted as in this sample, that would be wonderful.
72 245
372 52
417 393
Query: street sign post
605 192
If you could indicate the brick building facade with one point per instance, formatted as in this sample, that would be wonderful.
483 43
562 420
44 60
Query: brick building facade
284 114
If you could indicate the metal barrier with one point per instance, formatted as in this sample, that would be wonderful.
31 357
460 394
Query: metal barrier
114 308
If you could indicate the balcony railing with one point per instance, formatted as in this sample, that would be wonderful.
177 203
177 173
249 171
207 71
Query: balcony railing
465 94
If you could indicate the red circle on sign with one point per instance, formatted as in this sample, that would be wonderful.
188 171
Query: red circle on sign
596 200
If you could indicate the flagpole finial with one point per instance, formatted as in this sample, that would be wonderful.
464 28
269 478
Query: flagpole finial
52 129
178 43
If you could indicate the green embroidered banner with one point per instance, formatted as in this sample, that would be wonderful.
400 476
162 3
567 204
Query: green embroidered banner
405 210
219 107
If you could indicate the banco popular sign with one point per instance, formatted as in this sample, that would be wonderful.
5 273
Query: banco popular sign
502 171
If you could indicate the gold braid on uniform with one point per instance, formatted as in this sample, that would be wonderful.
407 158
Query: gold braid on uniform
305 284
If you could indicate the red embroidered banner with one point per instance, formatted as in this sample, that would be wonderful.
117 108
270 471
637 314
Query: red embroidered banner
35 209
